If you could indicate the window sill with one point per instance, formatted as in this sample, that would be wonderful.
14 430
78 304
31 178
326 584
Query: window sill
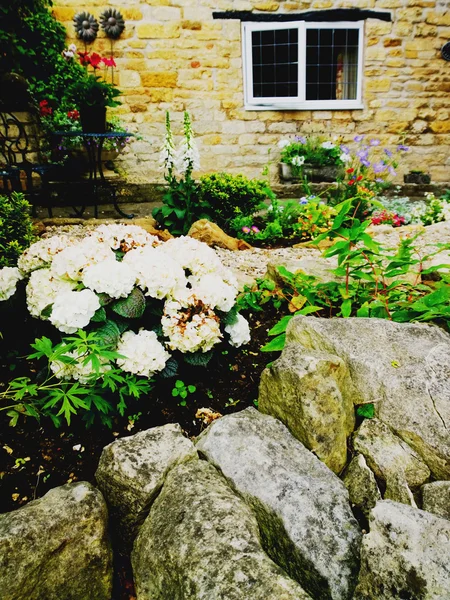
303 107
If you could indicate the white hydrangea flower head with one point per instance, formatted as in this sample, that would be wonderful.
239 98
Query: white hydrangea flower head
190 325
157 273
9 276
239 332
73 260
297 161
110 277
42 289
328 145
73 310
214 291
144 354
41 253
124 237
190 254
76 370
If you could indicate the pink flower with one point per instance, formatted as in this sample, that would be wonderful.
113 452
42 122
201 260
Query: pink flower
255 229
109 62
246 229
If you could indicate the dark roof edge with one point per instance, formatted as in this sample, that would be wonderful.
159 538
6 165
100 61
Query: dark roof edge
335 14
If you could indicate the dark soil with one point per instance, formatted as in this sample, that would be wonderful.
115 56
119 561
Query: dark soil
36 457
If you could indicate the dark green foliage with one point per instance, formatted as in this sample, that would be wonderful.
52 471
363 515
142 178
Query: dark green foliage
228 196
131 307
31 43
16 229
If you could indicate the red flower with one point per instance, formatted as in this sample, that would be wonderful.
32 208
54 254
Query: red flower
359 178
73 114
85 59
351 182
95 59
109 62
349 170
44 109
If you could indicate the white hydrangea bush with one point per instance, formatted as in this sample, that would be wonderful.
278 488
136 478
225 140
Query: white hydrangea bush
107 281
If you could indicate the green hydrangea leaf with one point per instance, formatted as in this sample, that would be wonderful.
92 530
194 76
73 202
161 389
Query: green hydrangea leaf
131 307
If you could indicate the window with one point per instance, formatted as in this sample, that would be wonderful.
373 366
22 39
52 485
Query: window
302 65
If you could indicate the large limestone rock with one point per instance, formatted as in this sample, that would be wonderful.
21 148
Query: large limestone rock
311 393
388 456
132 470
405 555
436 498
201 542
301 506
309 265
210 233
57 547
403 368
361 484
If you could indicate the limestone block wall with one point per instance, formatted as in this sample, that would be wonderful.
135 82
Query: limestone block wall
174 56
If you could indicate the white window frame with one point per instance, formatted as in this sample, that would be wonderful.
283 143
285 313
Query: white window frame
299 102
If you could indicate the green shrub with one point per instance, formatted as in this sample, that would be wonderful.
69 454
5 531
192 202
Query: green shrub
16 229
228 196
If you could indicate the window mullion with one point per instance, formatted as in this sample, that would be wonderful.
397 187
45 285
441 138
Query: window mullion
302 62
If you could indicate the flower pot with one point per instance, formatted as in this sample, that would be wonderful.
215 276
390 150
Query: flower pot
420 178
93 119
311 172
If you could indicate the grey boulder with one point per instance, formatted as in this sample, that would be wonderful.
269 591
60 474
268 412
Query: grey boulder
361 484
311 393
302 508
403 368
132 470
405 555
436 498
57 547
201 542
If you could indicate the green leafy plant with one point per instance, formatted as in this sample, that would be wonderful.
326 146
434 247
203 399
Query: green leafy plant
181 390
16 229
92 90
370 281
104 394
228 196
313 150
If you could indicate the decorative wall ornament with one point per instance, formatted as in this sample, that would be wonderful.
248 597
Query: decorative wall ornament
112 23
86 26
445 51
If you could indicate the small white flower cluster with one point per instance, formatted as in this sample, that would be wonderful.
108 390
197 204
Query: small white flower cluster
144 354
328 145
124 237
110 277
297 161
73 310
184 274
9 276
41 253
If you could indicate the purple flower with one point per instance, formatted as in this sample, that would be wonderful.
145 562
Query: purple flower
301 139
255 229
358 138
362 154
303 200
379 167
403 148
374 142
345 149
366 163
379 180
246 229
392 171
388 152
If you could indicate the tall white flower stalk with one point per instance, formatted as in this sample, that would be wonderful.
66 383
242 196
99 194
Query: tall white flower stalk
167 154
187 158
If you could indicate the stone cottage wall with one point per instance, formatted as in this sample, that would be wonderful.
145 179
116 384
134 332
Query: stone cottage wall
174 56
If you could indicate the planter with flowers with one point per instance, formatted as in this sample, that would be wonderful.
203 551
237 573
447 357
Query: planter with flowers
313 158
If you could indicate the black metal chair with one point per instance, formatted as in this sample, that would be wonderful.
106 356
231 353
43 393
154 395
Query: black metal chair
21 168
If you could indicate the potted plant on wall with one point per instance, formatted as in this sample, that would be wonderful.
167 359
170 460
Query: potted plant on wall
313 157
417 176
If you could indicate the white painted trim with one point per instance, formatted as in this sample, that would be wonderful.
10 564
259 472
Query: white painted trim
299 102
